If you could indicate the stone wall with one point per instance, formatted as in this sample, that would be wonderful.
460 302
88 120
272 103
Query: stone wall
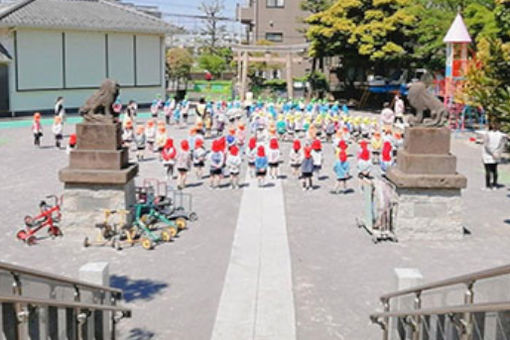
429 214
83 204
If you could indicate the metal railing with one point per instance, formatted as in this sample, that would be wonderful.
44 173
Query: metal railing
413 323
65 313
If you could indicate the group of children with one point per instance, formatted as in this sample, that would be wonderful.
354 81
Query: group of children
57 128
258 140
175 111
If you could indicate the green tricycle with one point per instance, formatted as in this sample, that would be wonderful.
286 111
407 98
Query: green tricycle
147 216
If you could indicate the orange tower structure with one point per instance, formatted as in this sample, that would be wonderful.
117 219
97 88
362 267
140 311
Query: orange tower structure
457 41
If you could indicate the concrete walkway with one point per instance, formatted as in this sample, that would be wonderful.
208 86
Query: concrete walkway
257 300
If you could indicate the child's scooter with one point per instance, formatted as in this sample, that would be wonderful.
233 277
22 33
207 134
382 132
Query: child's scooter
48 217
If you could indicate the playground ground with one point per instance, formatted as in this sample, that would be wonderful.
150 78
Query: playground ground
337 273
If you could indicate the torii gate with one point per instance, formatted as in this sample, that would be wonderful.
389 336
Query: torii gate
243 59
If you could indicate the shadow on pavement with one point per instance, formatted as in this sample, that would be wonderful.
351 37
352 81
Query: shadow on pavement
140 334
148 159
137 289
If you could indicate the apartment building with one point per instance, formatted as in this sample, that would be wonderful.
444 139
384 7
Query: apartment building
278 21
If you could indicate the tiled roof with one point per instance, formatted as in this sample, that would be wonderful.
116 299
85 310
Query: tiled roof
96 15
4 6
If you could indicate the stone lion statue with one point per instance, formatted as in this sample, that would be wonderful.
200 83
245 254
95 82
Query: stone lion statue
422 100
98 108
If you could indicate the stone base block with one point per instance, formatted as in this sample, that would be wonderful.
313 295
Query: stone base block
82 205
420 181
99 159
92 176
98 136
444 164
427 140
429 214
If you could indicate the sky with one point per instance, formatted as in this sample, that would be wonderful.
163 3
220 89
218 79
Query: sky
186 7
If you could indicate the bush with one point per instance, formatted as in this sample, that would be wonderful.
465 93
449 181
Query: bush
279 84
318 82
488 81
212 63
179 62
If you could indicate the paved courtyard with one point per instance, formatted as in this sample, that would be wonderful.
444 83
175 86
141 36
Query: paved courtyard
271 262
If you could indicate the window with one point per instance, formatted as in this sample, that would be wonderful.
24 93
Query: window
274 37
275 3
277 74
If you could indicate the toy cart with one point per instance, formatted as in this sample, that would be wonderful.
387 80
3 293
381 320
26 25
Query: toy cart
173 204
379 209
182 205
159 188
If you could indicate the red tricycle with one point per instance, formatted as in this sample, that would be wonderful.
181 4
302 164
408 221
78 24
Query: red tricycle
48 217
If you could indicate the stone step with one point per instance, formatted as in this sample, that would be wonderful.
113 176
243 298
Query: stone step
98 136
426 164
88 176
99 159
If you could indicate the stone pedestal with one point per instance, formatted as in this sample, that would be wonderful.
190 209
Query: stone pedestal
99 176
428 187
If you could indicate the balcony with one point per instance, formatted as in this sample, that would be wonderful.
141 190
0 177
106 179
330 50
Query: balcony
244 15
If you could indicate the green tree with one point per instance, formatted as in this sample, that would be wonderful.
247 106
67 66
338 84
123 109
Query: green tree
318 83
488 81
377 29
314 7
179 62
212 63
488 78
402 31
434 19
502 14
226 53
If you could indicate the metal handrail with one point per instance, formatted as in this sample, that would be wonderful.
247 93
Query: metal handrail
462 279
466 308
59 304
57 278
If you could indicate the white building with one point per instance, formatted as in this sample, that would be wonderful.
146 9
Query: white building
52 48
